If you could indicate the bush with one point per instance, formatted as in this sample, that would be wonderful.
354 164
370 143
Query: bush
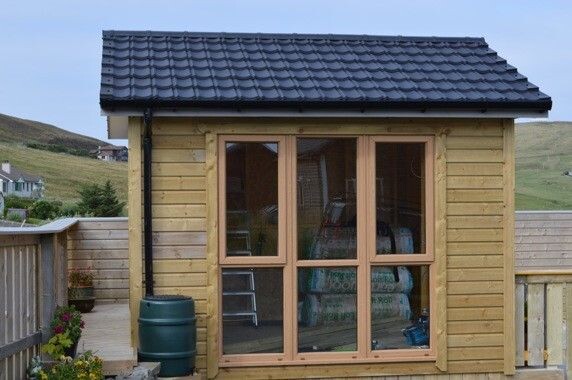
69 210
13 217
44 209
99 201
12 201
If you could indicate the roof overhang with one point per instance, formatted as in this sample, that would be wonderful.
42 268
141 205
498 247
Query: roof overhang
118 117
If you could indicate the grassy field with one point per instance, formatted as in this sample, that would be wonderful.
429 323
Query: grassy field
64 174
543 153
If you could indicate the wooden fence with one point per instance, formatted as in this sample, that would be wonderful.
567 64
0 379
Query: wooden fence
33 281
100 244
543 240
543 312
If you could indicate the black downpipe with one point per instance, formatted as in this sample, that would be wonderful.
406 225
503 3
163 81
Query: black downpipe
147 213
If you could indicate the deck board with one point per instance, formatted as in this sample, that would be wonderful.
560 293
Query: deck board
107 335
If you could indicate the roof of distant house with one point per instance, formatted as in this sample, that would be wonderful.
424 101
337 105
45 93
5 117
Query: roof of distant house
16 175
308 71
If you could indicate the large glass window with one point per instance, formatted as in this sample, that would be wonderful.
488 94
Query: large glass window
326 248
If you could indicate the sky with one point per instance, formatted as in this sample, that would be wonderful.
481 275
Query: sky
50 51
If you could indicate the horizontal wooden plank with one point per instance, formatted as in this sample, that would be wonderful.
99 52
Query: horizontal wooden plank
475 287
543 239
470 169
180 279
185 141
539 247
109 254
550 231
179 224
474 222
474 327
178 183
475 300
174 155
474 195
178 197
180 266
180 252
111 283
474 235
476 366
542 215
544 254
477 261
475 340
475 314
99 264
179 238
474 208
557 224
108 224
474 155
475 274
474 353
478 128
112 234
474 182
97 244
475 142
191 169
474 248
179 211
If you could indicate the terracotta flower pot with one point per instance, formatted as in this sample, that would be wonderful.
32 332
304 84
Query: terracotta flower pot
82 297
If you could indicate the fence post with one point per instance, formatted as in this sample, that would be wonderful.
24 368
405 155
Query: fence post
47 301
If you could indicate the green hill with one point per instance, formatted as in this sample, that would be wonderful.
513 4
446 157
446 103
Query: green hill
63 173
16 130
543 153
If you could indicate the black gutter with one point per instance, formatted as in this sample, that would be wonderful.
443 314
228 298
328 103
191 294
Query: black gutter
147 213
110 103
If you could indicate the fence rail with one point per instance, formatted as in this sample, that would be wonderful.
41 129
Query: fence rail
543 309
33 281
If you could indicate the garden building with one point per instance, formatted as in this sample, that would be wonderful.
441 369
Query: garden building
336 205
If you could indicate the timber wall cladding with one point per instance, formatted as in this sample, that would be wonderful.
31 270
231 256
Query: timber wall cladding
474 206
101 245
543 240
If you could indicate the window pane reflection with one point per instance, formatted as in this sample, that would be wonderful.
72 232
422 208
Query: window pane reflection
399 307
327 309
326 193
252 307
400 197
252 198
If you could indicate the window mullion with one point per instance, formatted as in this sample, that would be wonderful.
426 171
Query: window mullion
362 251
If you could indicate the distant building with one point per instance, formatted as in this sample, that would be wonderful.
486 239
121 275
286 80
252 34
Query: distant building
19 183
111 153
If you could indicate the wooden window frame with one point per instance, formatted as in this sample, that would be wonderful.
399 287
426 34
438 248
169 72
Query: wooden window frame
287 258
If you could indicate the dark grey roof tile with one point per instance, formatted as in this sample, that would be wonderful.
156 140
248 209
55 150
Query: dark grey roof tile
167 67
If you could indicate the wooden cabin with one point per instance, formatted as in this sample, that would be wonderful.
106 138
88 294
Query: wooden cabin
336 205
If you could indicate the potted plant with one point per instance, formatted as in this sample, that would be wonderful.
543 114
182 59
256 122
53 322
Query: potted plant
80 291
66 326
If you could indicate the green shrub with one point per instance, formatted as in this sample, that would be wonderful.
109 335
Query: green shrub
12 201
99 201
69 209
45 209
13 217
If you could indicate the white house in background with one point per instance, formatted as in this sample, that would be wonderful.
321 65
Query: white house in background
19 183
111 153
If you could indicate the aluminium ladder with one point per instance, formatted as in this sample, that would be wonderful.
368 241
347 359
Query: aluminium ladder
241 238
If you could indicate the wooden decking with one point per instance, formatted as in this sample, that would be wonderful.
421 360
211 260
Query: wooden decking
107 334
